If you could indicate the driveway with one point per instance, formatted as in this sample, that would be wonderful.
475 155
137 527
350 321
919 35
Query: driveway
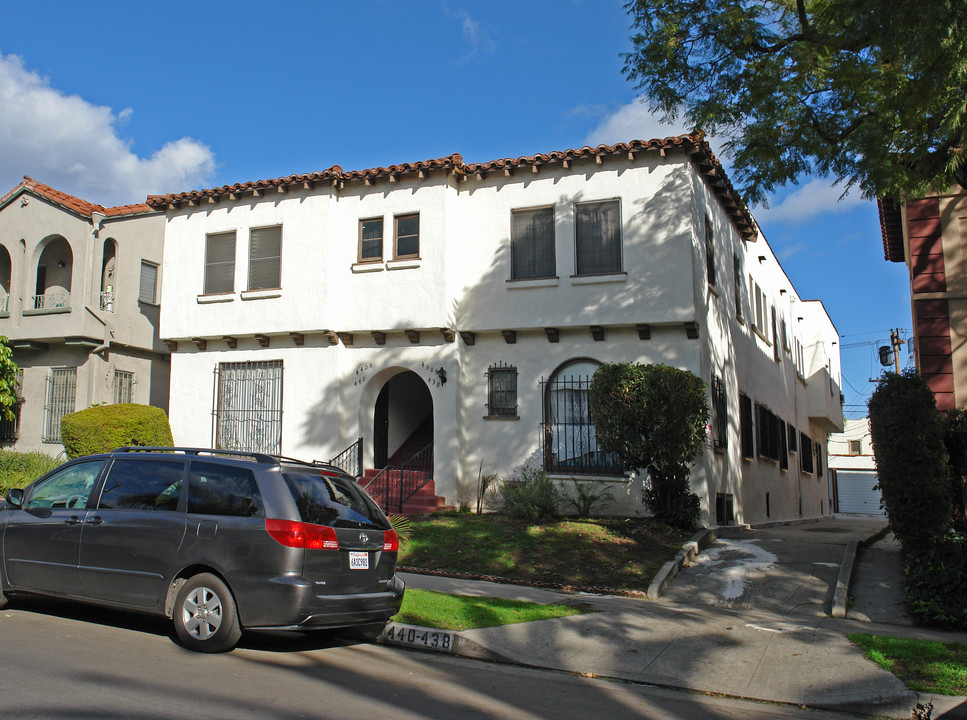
787 569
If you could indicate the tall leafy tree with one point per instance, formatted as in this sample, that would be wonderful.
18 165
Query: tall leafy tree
871 93
653 418
8 380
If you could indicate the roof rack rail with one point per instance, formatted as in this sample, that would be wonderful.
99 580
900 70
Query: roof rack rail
257 456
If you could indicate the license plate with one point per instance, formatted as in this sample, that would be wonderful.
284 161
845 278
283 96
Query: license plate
358 560
419 637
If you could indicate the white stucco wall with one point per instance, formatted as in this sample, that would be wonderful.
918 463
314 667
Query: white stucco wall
462 281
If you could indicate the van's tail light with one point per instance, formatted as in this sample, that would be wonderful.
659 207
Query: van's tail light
391 541
302 535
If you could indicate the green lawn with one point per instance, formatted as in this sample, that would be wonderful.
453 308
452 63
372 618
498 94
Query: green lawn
924 665
623 554
459 612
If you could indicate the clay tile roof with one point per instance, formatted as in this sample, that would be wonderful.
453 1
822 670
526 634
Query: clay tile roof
70 202
694 146
891 228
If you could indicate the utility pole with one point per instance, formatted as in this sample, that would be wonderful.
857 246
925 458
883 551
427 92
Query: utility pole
896 342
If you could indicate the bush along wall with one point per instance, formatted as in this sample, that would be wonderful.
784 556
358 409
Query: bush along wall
916 483
103 428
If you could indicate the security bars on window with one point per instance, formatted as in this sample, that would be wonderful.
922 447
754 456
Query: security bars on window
248 407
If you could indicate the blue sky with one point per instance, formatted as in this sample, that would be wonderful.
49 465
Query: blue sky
112 101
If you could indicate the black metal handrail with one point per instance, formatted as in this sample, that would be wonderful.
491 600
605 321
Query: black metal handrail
395 484
350 459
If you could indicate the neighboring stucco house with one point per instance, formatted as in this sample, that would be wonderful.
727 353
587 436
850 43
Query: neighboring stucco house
929 234
852 476
460 308
80 303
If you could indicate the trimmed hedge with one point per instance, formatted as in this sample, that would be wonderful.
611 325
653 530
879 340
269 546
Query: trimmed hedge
20 468
103 428
911 461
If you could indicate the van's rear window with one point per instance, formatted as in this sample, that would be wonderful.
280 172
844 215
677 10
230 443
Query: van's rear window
334 501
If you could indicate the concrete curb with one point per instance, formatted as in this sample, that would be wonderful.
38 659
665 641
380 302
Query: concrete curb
699 541
841 593
840 602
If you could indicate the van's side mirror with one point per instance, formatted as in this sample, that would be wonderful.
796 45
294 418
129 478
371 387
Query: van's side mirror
15 498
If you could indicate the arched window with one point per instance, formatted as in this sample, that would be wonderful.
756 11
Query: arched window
5 270
53 279
570 441
108 280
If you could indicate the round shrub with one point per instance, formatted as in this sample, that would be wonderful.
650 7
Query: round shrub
103 428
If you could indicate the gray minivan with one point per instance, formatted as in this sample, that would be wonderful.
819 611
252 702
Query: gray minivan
215 540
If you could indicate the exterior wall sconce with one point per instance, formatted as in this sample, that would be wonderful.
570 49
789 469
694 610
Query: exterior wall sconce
442 374
61 263
691 330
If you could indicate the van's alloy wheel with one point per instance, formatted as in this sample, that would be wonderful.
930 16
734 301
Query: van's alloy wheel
205 616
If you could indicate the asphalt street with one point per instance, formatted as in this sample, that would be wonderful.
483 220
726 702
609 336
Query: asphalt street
62 661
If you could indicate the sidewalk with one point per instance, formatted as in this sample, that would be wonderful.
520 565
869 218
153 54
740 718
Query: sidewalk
802 659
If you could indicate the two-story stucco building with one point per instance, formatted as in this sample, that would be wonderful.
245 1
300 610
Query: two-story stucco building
460 308
80 304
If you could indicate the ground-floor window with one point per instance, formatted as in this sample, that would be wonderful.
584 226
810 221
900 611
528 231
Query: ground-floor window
123 387
570 440
248 407
61 395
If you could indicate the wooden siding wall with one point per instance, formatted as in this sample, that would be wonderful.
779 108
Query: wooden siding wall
931 316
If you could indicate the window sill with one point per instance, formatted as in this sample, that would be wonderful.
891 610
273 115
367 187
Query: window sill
762 335
368 267
524 283
261 294
215 298
403 264
143 302
619 277
590 478
501 417
712 290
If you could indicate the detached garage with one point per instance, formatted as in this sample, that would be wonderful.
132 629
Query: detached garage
853 470
852 492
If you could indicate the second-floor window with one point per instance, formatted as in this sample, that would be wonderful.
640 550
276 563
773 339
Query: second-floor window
406 237
532 244
265 258
720 414
371 240
598 238
709 252
148 290
220 263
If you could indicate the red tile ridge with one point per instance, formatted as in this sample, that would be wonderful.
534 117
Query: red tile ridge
694 145
71 202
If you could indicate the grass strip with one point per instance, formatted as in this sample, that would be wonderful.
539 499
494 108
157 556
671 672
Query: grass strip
463 612
923 665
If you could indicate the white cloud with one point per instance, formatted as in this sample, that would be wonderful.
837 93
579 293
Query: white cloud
815 197
70 144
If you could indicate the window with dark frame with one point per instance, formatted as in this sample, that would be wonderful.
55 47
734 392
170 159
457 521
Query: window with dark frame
819 458
806 453
737 277
148 287
709 252
783 446
406 236
855 447
720 414
502 391
767 432
219 263
776 353
371 240
61 395
598 238
793 438
747 426
265 258
532 244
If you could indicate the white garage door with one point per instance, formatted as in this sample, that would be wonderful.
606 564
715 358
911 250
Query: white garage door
856 493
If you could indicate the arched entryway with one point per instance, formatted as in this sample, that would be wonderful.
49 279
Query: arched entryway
402 419
401 478
52 286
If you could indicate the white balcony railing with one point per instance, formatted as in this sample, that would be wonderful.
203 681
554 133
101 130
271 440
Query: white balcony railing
51 301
